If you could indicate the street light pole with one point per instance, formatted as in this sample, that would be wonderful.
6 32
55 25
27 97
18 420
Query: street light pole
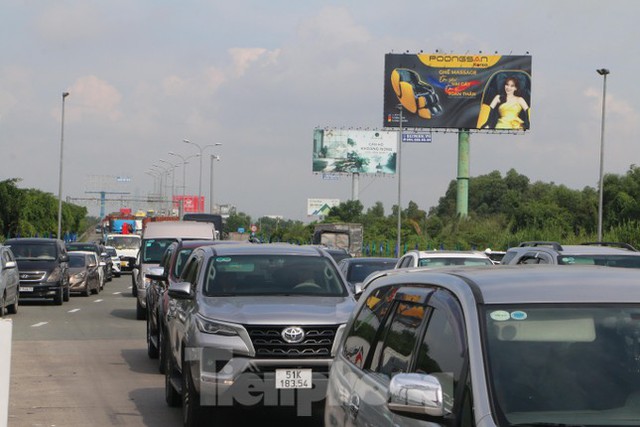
603 72
398 172
64 95
211 204
184 169
200 150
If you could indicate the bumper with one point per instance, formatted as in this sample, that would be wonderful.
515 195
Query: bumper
224 381
126 263
39 290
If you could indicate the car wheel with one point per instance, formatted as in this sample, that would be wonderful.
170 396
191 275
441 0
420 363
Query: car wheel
3 301
87 290
141 313
66 293
13 308
192 411
152 350
171 396
59 297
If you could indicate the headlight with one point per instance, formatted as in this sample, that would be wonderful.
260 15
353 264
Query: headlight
209 326
55 275
80 276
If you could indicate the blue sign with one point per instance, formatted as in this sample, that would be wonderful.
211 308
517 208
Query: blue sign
416 137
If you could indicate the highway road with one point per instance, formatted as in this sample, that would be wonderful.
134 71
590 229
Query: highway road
85 364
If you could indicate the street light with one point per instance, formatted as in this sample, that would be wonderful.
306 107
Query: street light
163 171
184 169
173 179
603 72
211 204
200 150
64 95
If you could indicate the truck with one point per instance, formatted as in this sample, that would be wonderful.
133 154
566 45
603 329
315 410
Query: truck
348 236
127 247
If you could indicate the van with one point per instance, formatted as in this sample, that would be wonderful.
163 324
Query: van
43 267
156 238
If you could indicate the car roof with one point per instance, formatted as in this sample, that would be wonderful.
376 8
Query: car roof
372 260
585 249
448 254
265 249
528 283
30 240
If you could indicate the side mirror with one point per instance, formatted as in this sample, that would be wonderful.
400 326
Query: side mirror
180 290
156 273
430 395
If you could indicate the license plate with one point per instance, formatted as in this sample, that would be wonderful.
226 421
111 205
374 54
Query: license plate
26 288
124 263
293 378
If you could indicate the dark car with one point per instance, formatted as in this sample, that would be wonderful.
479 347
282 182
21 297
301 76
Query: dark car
488 347
9 282
167 272
43 266
84 277
355 270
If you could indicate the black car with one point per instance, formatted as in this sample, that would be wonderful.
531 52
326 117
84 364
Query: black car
43 267
355 270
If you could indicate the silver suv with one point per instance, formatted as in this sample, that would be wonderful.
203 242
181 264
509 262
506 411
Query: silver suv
486 347
253 324
611 254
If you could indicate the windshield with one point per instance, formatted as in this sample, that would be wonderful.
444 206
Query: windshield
76 261
565 364
272 275
625 261
33 251
359 271
124 242
153 249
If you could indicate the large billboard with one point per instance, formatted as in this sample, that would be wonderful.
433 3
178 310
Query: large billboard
320 207
438 90
343 151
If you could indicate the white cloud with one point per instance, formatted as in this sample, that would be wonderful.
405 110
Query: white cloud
92 97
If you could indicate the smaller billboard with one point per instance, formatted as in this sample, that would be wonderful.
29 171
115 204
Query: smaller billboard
190 203
320 207
345 151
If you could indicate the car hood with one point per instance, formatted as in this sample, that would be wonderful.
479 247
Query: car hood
299 310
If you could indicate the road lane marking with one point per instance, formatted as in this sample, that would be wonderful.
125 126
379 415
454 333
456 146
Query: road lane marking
74 310
117 293
99 300
37 325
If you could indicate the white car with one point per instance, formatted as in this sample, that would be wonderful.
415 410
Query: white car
436 259
111 251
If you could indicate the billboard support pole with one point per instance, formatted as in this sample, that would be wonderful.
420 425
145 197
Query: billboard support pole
399 172
355 184
462 202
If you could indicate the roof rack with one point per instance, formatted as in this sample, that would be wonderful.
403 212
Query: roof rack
612 244
555 245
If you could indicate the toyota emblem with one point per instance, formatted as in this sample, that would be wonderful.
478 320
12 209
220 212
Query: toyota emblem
293 334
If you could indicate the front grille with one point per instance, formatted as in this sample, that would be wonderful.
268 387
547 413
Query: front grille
268 342
32 276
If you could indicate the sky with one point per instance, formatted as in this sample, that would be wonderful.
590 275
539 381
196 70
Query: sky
257 77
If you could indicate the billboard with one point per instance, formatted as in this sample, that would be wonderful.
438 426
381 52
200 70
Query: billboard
342 151
435 90
320 207
190 203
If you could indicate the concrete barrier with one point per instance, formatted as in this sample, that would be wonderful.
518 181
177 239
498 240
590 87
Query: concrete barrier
5 367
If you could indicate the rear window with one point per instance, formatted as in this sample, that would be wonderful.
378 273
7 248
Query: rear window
272 275
625 261
447 262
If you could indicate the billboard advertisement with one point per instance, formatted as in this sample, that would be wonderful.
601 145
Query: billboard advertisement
320 207
435 90
342 151
190 203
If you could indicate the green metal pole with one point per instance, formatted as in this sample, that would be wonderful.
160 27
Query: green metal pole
462 208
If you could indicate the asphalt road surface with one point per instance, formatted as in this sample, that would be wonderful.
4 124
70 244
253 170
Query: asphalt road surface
85 364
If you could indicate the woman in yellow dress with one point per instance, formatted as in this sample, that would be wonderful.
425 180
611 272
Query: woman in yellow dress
510 104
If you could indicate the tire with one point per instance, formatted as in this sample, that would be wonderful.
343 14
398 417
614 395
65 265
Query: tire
192 411
171 396
13 308
66 294
162 352
152 350
3 301
87 290
141 313
59 297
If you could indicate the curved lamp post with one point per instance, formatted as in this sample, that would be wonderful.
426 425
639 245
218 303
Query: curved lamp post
200 151
184 169
604 73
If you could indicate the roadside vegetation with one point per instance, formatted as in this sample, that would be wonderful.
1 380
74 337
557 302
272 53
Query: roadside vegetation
503 211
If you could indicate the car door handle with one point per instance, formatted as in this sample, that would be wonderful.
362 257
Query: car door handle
353 406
